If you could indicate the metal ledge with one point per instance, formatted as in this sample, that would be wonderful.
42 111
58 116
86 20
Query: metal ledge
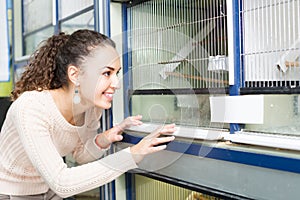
271 158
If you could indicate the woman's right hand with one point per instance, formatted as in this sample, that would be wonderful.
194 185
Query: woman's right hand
153 143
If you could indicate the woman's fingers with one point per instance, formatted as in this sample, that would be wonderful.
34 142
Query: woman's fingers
168 129
155 133
156 141
163 130
137 117
159 148
158 144
162 140
149 145
153 142
131 121
136 120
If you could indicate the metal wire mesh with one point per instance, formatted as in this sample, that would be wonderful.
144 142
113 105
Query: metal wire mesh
149 189
270 42
178 44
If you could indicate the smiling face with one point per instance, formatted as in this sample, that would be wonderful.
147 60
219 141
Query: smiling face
98 79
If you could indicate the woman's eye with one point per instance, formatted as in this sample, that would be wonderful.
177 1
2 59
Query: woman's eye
106 73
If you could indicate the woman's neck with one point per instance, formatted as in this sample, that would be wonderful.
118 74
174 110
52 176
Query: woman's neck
64 101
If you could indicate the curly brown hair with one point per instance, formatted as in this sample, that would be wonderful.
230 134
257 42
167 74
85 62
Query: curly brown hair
48 65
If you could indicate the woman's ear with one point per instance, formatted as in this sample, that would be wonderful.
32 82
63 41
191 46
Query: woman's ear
73 73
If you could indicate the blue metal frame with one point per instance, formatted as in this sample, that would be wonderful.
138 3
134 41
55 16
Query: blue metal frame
240 19
96 13
107 11
126 63
57 24
130 186
13 36
234 90
23 43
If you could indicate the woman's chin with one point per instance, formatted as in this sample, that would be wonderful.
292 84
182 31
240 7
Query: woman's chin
104 105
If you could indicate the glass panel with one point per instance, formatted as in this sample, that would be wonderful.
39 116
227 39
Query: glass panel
189 110
84 21
37 14
281 115
33 40
69 7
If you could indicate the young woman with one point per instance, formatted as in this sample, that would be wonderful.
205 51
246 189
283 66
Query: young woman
56 110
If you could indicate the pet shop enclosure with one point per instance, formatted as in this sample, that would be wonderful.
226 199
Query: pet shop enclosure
188 61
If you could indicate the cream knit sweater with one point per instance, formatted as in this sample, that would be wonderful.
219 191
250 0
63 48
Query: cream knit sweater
35 137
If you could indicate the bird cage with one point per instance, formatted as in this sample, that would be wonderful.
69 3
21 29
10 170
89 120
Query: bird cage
270 46
179 49
178 44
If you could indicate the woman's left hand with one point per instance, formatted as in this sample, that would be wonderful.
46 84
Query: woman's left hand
104 139
130 121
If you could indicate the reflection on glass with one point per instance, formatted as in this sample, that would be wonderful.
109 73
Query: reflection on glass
34 8
84 21
33 40
69 7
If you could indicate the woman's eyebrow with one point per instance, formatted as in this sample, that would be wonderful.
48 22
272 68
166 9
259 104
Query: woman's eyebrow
108 67
112 68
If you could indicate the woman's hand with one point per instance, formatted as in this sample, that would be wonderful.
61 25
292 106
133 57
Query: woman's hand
153 143
104 139
130 121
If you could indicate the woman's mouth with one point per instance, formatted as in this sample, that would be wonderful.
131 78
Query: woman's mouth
109 96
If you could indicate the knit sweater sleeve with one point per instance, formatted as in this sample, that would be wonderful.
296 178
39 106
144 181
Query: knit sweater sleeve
33 125
87 151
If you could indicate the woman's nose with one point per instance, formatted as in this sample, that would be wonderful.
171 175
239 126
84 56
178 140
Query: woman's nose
115 83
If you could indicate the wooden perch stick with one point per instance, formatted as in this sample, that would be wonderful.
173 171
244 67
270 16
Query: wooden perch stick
292 64
225 82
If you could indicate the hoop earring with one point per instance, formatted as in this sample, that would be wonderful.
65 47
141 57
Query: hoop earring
76 98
